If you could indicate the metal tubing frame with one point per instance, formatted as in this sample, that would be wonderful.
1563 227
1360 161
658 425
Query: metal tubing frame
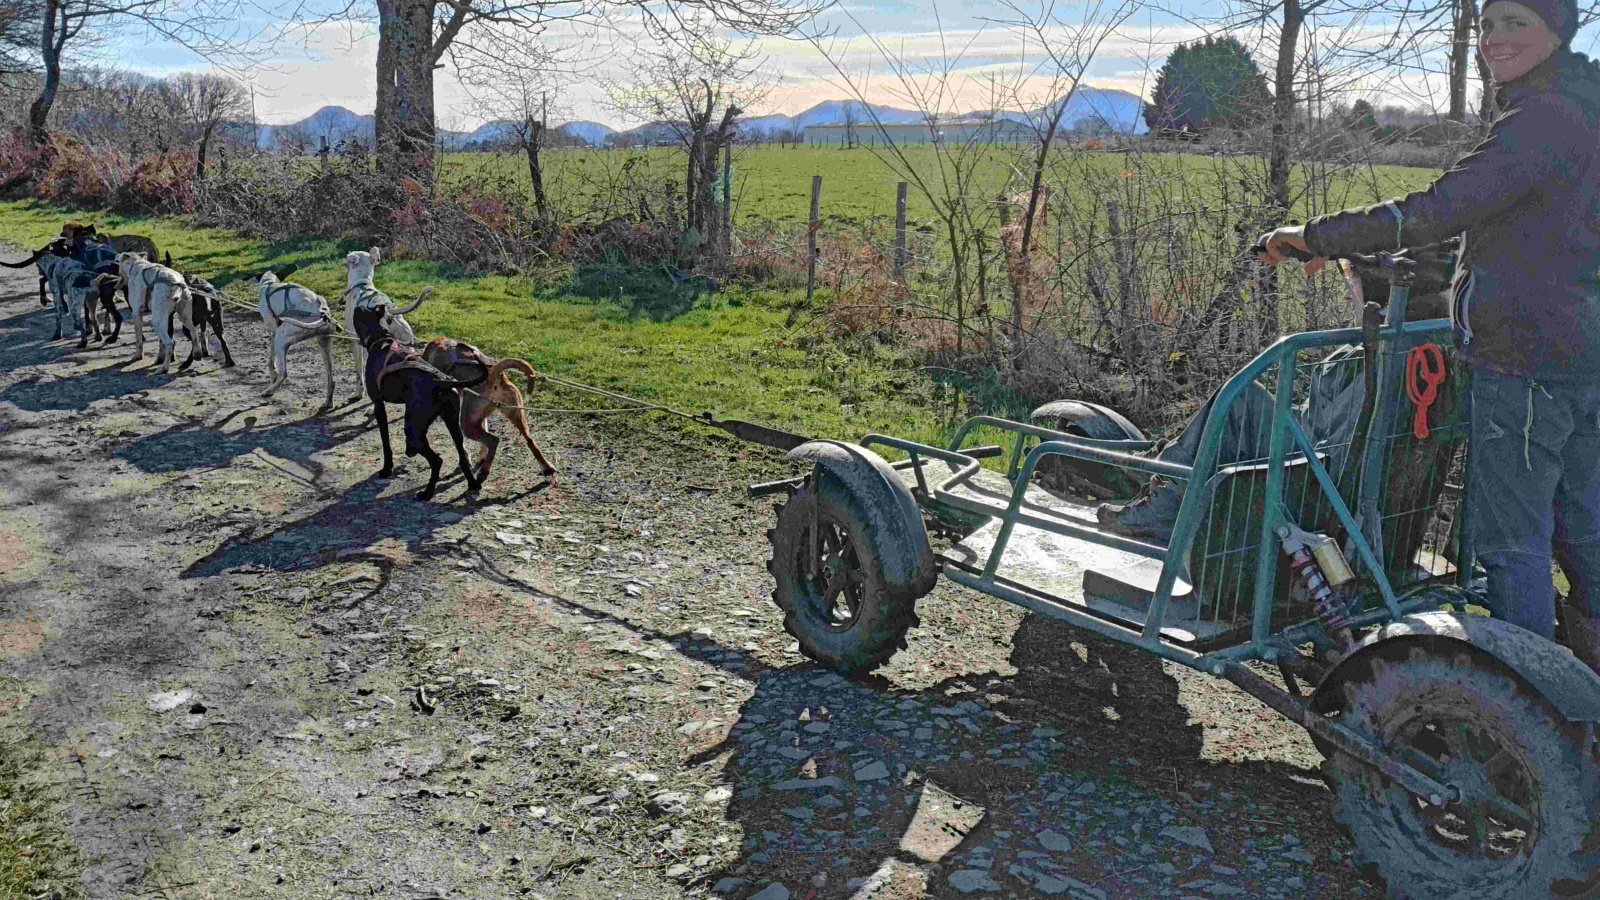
1262 644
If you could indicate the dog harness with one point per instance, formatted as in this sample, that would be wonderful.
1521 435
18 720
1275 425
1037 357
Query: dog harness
397 356
463 353
286 289
370 297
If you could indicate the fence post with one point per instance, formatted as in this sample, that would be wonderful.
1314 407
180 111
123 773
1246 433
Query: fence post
900 234
727 202
811 237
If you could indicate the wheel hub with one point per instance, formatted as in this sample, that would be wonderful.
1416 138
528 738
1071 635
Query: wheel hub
1466 783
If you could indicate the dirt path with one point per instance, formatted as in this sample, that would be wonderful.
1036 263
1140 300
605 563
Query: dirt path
218 622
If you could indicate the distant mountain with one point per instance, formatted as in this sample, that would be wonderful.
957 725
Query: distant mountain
592 133
496 132
1116 110
1112 109
766 126
837 112
332 122
648 133
335 123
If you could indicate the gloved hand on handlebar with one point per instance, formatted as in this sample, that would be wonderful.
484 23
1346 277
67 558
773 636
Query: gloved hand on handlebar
1286 243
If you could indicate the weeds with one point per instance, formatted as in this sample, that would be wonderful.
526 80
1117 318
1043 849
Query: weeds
37 858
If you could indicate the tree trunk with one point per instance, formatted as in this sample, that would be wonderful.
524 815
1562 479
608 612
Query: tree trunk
535 170
51 38
691 178
1485 77
1466 14
1283 105
404 119
383 111
200 153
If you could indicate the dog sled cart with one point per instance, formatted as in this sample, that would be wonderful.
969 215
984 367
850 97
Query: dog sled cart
1331 581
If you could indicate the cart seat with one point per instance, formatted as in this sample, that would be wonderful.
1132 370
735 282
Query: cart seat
1065 570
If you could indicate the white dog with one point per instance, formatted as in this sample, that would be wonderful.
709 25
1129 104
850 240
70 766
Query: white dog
280 304
362 293
154 287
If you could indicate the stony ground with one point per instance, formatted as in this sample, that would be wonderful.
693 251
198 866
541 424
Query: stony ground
258 671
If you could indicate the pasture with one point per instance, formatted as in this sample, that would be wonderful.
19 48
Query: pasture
773 182
740 353
732 354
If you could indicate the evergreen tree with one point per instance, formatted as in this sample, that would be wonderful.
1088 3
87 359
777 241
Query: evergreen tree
1208 84
1363 117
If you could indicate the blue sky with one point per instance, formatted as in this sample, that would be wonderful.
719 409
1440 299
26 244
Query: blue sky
333 64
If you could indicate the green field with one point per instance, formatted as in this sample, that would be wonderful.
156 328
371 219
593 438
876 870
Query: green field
739 353
732 355
772 182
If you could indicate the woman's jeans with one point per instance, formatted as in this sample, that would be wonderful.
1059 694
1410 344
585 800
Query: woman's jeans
1535 486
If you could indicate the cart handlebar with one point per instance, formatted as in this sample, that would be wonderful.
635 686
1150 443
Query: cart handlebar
1373 260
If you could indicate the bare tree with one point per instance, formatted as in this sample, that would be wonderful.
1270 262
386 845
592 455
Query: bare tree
415 36
208 27
512 82
1070 43
850 118
698 85
203 102
20 21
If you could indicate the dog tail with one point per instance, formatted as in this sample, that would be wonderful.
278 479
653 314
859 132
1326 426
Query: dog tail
497 374
27 262
320 324
452 383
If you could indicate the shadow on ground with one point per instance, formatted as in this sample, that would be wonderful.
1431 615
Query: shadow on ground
1080 775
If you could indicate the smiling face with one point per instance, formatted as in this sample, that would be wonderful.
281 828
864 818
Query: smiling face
1515 39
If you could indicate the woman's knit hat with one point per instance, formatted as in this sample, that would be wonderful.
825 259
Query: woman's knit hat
1560 15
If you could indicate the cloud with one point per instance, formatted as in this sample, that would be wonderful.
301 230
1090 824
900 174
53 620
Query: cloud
904 53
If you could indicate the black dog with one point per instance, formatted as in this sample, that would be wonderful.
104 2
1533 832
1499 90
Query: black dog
397 374
207 314
101 259
56 247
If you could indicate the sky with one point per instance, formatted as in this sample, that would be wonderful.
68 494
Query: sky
333 64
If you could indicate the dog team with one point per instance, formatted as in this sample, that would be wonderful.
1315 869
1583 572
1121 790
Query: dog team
82 269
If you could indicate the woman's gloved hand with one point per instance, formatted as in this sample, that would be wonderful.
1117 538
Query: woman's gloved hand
1286 243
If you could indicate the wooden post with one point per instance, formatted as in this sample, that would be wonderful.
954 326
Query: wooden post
811 237
900 234
727 201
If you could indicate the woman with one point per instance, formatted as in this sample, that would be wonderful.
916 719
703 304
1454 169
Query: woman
1526 310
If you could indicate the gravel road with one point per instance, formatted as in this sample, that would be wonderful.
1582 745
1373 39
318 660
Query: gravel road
258 671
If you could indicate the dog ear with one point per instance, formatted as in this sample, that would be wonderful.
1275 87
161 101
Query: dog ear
168 261
285 272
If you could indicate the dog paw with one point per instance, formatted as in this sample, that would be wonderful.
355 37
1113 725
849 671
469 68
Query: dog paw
386 473
548 473
424 496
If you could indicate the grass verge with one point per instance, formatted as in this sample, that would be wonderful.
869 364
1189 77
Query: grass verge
729 353
37 858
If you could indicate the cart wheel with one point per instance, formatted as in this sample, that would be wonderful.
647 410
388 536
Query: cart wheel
832 590
1526 821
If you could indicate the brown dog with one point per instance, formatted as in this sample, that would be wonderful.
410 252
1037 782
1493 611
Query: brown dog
121 243
496 394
